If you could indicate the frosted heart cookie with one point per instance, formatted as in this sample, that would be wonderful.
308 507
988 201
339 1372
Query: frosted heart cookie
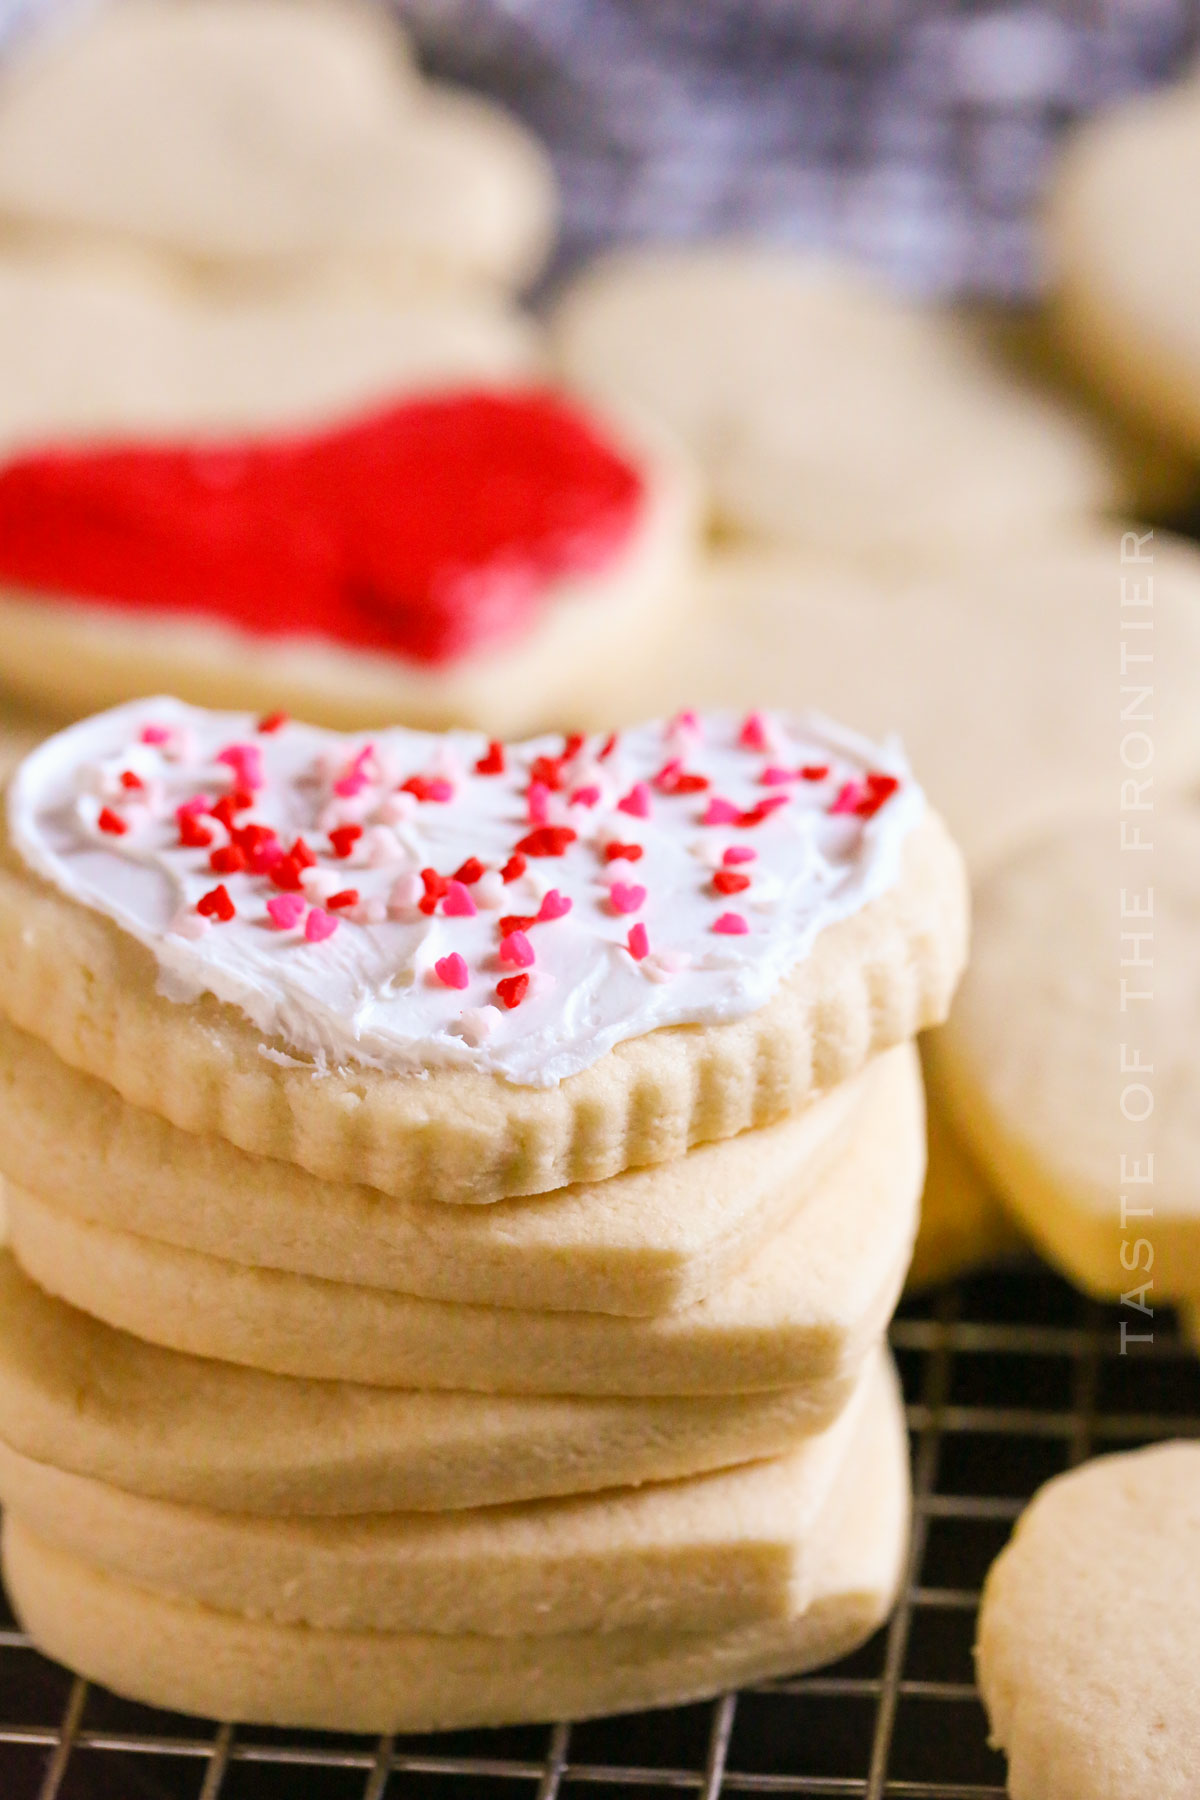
82 1397
1088 1633
198 1659
479 553
484 953
825 412
997 675
273 142
1123 313
641 1242
732 1548
807 1306
1068 1067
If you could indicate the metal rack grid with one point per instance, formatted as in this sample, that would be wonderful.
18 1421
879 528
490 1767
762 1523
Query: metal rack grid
1010 1378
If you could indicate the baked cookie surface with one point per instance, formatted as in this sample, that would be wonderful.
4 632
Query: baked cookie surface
1087 1633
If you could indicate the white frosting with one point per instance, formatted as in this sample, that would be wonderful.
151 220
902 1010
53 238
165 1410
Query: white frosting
368 992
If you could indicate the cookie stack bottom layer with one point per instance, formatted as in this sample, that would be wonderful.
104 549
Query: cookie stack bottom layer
195 1658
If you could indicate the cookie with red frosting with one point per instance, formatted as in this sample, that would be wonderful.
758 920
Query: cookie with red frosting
356 510
272 142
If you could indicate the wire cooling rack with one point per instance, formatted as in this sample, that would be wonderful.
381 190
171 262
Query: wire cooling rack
1010 1378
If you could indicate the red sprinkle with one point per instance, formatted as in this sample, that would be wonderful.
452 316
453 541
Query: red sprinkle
344 837
573 743
513 868
728 881
347 897
468 872
238 800
617 852
516 922
302 856
815 772
880 789
111 822
274 721
131 780
547 840
285 874
512 990
607 747
216 904
638 941
435 886
548 770
493 762
193 835
229 860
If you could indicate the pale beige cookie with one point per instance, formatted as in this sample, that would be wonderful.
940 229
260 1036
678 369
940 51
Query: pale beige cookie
1124 248
274 141
1003 679
641 1242
963 1225
871 981
807 1306
826 412
196 1659
1088 1633
705 1554
86 1398
1078 1098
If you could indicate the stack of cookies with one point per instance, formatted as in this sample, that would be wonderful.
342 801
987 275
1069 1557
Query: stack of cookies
457 1193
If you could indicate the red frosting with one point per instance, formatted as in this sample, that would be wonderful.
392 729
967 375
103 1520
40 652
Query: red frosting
428 529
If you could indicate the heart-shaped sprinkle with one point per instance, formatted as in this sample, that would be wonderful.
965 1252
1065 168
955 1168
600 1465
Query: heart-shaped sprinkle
452 970
428 530
436 947
627 896
457 902
637 801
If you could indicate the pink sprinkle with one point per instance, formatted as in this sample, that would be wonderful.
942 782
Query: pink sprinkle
849 795
626 896
731 925
356 777
771 804
684 721
191 809
440 789
586 796
516 949
738 853
720 812
286 910
638 941
457 902
753 735
319 925
155 734
554 906
636 801
452 971
539 803
246 762
774 776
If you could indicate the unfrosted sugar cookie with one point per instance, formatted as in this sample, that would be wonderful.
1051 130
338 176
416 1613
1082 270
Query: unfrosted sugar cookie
1124 247
963 1226
1068 1066
806 1307
197 1658
642 1242
278 141
734 1547
827 413
1002 677
348 508
82 1397
1088 1632
511 968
